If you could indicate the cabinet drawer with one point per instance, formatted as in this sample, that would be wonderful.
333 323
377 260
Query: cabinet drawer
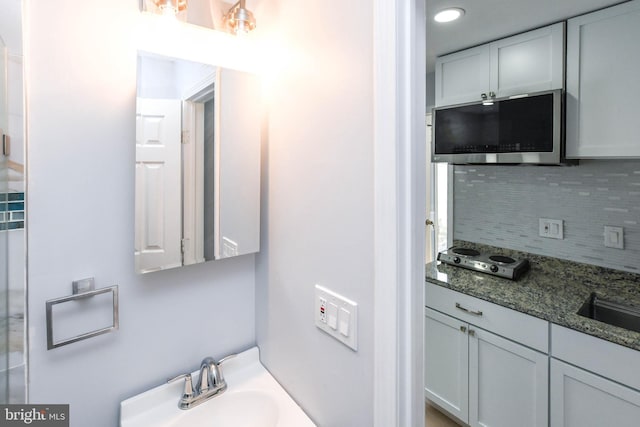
511 324
596 355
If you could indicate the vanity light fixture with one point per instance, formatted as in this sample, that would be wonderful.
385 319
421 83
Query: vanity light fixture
448 15
170 7
239 20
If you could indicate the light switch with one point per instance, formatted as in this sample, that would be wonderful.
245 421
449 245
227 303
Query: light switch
345 319
332 316
336 316
614 237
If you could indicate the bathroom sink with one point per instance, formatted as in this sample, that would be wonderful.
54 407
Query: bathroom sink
244 408
253 399
611 313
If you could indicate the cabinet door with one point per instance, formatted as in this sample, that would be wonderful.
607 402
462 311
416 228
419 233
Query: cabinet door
508 383
446 363
463 76
583 399
529 62
602 83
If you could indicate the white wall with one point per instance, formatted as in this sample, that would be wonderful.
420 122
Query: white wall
318 222
81 74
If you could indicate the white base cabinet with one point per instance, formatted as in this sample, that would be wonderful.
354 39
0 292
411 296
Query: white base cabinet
481 378
446 357
594 382
582 399
508 383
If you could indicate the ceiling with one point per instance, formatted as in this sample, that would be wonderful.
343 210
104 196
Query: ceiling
488 20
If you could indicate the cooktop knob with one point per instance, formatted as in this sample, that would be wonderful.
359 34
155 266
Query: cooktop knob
494 268
457 260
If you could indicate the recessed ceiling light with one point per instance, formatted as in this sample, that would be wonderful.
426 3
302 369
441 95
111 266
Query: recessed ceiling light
449 15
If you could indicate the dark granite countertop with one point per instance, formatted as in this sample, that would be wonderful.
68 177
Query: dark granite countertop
553 290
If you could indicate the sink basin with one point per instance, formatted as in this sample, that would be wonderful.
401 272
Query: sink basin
244 408
611 313
253 399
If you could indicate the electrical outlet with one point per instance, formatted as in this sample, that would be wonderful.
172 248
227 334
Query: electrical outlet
322 310
337 316
551 228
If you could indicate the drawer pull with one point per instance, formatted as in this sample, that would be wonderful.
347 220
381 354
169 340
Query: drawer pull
463 328
472 332
475 313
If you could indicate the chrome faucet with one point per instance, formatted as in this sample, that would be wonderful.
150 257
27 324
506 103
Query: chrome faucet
211 383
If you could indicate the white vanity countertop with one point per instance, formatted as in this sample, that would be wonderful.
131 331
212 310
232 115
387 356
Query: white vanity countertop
253 399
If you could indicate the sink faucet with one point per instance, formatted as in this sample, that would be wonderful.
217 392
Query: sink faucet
211 383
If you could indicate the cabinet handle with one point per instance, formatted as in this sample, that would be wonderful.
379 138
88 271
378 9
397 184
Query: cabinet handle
475 313
472 333
463 328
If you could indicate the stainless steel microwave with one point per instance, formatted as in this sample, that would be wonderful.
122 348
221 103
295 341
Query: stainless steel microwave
523 129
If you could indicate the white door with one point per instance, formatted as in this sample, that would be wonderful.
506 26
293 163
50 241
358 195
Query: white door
508 383
446 358
583 399
158 206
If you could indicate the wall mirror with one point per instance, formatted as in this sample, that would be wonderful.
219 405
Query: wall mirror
197 189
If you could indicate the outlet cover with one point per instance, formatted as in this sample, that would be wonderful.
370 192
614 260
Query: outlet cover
551 228
337 316
614 237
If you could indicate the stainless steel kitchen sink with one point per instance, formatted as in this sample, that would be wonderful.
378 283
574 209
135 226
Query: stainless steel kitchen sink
611 313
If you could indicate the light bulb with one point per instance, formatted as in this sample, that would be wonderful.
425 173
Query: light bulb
449 15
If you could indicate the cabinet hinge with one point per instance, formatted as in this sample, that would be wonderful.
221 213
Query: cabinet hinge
185 137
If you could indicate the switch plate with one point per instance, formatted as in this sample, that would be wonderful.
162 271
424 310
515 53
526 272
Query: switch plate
551 228
614 237
337 316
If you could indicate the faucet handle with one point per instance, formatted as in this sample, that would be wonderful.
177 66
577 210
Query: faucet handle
188 385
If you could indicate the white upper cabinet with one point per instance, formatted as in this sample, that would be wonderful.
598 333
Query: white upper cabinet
603 88
463 76
528 62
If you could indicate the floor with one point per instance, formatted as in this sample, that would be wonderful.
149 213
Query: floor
435 418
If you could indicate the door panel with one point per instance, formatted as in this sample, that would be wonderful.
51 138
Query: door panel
583 399
508 383
158 181
446 363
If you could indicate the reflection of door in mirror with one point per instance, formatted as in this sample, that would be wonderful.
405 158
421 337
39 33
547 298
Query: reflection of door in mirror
197 163
157 184
170 115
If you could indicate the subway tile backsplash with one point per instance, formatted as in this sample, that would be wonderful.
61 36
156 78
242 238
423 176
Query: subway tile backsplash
501 205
